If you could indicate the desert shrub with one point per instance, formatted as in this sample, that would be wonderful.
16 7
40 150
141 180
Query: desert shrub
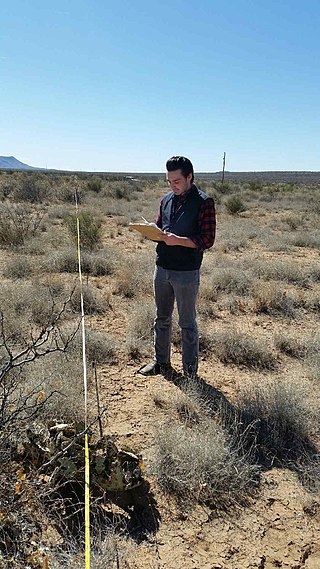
234 205
274 242
287 271
93 301
294 221
206 308
190 405
205 339
176 332
308 470
17 224
225 188
65 192
90 229
255 186
235 234
230 280
139 337
232 346
269 298
315 273
16 323
199 464
120 190
30 190
293 347
305 240
234 303
282 415
66 261
95 185
101 348
59 211
6 188
28 306
62 261
18 268
102 263
45 303
134 277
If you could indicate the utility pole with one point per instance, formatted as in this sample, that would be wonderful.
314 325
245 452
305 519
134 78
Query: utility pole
223 168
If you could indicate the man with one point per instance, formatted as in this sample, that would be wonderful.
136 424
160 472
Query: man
187 218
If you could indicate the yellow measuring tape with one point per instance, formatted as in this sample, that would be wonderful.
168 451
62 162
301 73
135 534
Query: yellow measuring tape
86 442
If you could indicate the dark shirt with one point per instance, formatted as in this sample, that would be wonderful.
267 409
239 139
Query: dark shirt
207 220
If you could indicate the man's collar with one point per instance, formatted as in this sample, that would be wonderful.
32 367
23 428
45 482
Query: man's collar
185 194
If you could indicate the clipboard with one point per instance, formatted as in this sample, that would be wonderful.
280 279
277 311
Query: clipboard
150 231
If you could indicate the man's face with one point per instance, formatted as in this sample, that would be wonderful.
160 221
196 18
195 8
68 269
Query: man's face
178 183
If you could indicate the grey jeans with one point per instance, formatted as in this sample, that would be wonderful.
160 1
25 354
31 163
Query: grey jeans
182 286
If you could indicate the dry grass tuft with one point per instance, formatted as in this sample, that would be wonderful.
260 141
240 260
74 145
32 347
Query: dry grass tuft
19 267
199 464
139 337
93 301
282 416
291 346
66 261
232 346
287 271
134 277
270 298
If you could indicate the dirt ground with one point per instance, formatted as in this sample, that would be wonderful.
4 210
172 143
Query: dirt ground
279 528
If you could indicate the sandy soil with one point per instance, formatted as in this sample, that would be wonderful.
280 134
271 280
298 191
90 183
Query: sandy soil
281 525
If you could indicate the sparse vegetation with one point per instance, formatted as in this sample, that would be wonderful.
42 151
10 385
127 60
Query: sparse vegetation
207 440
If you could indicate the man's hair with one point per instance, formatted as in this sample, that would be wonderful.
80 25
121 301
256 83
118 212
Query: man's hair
180 163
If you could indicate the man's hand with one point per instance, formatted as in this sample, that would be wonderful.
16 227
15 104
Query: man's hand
171 239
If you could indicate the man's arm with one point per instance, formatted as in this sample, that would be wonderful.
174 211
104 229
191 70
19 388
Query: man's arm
172 239
207 223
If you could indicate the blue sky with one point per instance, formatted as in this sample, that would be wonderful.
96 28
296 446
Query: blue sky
121 86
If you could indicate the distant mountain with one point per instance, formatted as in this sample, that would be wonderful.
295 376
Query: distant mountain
12 163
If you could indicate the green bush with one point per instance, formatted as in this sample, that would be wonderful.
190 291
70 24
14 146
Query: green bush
234 205
95 185
90 229
31 189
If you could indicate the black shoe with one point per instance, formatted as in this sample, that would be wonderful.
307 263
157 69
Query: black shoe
154 368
